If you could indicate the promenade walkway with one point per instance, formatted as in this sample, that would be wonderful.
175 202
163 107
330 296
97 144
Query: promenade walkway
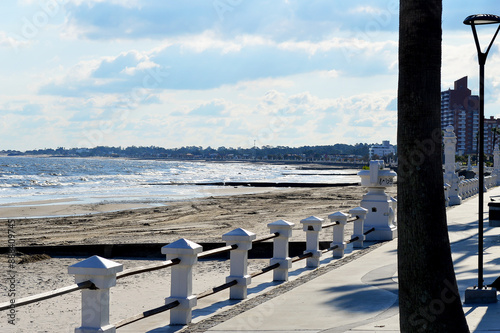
357 295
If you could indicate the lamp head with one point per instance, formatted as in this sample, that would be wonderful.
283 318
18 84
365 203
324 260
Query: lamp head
480 19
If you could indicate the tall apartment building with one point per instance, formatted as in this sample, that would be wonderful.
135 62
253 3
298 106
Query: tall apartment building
460 109
489 135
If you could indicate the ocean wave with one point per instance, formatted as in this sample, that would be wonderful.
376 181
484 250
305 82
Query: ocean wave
55 178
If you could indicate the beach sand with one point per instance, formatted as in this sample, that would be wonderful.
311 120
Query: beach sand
200 220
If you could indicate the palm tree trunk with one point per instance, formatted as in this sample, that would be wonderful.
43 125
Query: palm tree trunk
428 294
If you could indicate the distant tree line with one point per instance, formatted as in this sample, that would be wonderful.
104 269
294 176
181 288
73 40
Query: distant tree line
328 152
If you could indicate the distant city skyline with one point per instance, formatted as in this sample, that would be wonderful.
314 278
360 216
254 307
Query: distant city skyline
214 73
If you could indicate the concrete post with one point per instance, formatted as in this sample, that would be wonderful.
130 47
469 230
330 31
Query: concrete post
446 194
239 261
394 205
280 249
95 302
338 233
461 187
381 214
450 176
496 163
450 142
360 214
181 286
488 181
312 227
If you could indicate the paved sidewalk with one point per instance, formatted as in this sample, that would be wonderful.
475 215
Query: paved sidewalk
360 296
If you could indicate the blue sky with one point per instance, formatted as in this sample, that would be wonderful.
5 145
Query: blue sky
213 72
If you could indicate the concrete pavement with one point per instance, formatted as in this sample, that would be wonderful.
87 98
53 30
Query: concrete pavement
359 296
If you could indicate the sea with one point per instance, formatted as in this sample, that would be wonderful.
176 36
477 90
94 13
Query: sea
26 180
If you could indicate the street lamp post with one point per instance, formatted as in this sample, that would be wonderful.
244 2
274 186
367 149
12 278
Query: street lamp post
476 296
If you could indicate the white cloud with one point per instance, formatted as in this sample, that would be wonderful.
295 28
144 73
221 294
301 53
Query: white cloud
90 3
211 109
365 10
9 41
205 62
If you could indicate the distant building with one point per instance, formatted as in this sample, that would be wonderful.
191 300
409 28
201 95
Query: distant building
489 135
382 150
460 109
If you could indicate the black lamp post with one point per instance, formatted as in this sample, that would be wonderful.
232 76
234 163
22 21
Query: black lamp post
474 20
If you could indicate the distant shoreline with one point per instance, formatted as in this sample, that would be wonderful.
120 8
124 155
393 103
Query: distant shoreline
307 165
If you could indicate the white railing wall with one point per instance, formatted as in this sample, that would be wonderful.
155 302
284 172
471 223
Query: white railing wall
456 187
95 276
241 240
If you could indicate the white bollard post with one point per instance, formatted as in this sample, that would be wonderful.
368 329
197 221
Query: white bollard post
312 227
394 205
496 165
449 175
95 302
360 214
381 214
463 188
280 249
446 194
239 261
338 233
181 285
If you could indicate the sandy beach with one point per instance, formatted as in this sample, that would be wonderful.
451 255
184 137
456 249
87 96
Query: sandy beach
200 220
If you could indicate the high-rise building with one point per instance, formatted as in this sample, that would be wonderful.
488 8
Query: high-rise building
491 126
460 109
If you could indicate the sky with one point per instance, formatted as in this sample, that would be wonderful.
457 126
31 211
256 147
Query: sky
215 73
